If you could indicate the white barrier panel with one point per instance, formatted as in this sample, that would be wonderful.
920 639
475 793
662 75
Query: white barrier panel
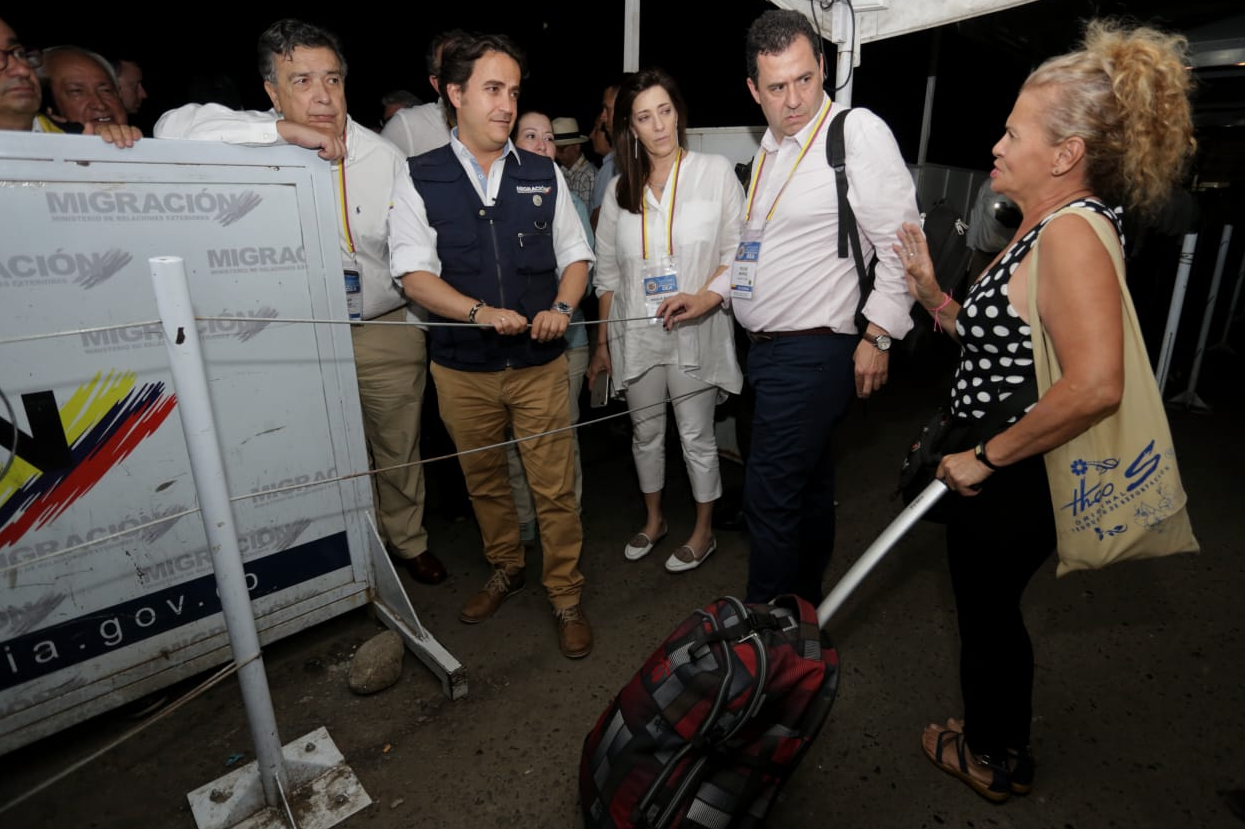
85 628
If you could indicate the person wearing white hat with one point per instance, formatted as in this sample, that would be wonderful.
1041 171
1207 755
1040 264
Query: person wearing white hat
581 174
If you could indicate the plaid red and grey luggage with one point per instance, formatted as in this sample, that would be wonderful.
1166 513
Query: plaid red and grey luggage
708 731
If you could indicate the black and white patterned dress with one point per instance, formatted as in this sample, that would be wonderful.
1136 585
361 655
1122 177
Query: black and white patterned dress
996 345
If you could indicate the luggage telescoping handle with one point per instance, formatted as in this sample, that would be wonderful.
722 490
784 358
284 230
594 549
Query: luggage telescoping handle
879 548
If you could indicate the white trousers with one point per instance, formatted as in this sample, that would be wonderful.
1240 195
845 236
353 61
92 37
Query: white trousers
693 414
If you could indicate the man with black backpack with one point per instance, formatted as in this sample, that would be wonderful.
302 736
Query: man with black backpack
798 299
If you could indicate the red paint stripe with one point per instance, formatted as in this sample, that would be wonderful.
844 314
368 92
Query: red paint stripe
124 439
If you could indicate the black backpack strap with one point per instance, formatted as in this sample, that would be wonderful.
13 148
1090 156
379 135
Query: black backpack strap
836 156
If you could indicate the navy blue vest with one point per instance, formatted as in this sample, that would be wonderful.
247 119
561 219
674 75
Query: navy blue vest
502 254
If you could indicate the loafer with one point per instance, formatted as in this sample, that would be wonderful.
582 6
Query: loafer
684 558
500 586
641 545
574 633
425 568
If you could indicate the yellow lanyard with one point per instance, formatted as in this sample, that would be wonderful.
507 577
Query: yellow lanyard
756 175
341 177
674 192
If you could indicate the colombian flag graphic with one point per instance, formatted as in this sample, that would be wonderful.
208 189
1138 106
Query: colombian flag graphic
71 448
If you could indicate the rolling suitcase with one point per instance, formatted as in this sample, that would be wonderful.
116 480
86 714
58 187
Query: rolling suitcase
710 728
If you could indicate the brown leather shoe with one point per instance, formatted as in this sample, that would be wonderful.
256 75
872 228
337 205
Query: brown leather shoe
500 586
574 634
425 568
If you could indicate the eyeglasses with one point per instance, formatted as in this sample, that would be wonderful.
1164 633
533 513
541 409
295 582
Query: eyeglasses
31 59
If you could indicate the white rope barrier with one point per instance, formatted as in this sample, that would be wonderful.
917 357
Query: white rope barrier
233 667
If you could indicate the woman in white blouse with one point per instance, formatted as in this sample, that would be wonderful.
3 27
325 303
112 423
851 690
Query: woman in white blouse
669 224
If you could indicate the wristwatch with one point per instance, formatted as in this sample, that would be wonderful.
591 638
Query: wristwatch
562 308
882 342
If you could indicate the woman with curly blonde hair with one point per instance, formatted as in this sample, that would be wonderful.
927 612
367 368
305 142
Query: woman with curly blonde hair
1099 129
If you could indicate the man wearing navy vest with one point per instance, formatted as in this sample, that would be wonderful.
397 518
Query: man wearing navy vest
485 236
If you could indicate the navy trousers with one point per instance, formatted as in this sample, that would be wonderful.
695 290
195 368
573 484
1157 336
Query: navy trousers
803 385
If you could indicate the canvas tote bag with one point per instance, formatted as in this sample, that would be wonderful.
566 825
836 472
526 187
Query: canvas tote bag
1115 488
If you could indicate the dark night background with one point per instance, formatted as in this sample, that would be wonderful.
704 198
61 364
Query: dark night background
574 49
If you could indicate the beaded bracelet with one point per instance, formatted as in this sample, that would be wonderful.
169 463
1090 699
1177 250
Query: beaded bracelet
471 315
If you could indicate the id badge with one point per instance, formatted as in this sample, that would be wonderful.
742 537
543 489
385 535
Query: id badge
661 281
744 268
354 295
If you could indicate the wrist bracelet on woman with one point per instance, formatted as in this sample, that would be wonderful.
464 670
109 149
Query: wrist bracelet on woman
946 300
471 315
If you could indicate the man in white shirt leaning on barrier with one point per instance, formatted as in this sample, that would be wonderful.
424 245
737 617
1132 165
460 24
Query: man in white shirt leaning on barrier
305 76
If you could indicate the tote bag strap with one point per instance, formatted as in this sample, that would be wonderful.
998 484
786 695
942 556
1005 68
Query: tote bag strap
1045 363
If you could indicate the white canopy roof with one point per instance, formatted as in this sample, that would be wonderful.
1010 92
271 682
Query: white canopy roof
880 19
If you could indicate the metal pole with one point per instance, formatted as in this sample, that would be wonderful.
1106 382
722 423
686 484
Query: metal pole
1189 396
844 70
631 36
194 406
842 35
1173 312
931 81
878 549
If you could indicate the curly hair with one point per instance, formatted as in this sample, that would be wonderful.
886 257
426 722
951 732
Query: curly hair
1126 94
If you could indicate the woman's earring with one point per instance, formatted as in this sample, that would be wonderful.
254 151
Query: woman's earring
635 146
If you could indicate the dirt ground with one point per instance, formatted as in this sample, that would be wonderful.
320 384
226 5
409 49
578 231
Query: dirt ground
1139 709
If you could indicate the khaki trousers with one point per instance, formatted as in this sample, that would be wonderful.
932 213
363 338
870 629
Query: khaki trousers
478 407
576 365
391 362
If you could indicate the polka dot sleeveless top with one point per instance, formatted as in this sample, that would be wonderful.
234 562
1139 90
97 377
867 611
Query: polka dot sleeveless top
996 345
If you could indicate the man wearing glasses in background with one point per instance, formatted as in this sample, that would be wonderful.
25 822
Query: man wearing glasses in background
21 95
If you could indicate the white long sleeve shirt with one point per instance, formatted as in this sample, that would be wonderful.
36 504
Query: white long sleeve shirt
372 165
801 282
413 242
707 204
416 130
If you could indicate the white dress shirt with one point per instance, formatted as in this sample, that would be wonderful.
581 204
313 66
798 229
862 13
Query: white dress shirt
416 130
707 204
413 242
372 166
801 282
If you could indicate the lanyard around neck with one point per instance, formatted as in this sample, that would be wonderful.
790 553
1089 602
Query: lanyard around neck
756 175
674 192
341 177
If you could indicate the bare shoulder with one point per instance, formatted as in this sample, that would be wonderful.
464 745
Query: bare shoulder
1076 272
1072 244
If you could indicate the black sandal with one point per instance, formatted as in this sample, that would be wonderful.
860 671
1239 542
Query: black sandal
1022 766
998 790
